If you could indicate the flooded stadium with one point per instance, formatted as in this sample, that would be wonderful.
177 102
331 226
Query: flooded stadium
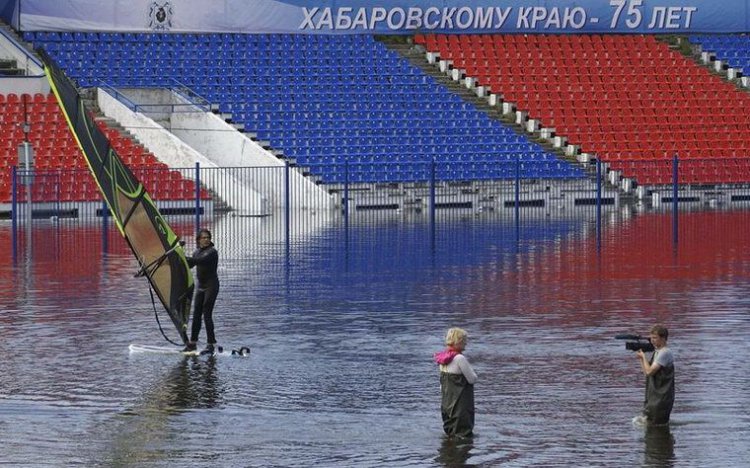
548 176
343 325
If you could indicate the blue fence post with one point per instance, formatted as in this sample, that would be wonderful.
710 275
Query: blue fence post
598 204
345 201
58 208
433 223
14 211
105 227
287 208
197 196
58 195
675 198
517 199
287 227
345 210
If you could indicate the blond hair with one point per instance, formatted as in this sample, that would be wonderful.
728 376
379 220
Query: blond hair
456 337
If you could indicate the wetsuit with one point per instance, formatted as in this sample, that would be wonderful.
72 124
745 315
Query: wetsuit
205 261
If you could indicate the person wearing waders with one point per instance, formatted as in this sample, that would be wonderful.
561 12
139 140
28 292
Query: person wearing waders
456 385
659 371
205 259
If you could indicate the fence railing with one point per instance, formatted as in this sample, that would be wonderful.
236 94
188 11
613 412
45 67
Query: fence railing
294 202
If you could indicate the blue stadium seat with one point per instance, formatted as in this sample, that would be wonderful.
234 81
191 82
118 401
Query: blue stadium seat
317 97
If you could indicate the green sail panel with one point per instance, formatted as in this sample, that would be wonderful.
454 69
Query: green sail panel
152 240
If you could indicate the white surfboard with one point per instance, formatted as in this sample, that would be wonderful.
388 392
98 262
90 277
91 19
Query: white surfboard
137 348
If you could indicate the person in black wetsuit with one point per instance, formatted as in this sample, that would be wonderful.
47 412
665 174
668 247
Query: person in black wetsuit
205 259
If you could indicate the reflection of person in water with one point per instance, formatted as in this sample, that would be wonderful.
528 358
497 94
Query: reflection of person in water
194 384
659 446
454 451
191 383
457 379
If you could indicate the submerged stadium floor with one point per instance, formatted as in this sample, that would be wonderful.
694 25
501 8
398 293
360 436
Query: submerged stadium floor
343 320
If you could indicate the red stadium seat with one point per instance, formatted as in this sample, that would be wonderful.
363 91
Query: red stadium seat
635 85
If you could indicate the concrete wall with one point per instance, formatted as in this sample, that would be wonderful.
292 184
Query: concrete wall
34 82
156 104
226 146
23 84
178 154
11 49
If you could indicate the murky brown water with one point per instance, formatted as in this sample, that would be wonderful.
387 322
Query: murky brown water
343 330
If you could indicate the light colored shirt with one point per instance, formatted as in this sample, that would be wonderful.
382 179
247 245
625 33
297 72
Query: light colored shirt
460 365
663 357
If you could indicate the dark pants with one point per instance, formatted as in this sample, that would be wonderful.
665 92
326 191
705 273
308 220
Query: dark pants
659 395
204 301
457 405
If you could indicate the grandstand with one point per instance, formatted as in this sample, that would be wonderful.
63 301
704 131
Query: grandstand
320 100
629 100
59 166
729 51
346 110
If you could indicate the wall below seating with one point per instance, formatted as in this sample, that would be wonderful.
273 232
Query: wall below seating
23 85
215 144
177 154
34 82
227 147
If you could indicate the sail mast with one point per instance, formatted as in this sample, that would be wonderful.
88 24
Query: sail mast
152 240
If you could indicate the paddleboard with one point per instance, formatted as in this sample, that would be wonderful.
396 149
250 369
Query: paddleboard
243 351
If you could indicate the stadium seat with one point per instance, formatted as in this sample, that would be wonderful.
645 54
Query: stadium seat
633 85
335 76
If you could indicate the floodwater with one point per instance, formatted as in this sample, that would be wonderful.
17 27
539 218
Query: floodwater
343 325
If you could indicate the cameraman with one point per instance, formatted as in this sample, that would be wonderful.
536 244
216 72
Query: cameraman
659 371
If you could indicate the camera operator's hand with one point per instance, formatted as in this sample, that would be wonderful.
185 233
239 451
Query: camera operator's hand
648 368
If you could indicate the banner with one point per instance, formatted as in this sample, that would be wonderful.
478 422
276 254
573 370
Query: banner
388 17
9 12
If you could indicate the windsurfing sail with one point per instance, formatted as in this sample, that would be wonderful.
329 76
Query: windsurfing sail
156 247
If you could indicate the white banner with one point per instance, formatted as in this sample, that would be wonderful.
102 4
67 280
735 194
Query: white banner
160 15
387 16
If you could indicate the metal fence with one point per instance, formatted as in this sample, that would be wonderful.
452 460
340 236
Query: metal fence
285 206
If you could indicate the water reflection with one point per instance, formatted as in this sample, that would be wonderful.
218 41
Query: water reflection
659 446
329 321
454 451
192 383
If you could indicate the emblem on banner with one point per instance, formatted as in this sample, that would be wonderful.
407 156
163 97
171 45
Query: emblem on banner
160 16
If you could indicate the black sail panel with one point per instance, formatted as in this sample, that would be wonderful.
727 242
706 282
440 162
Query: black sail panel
152 240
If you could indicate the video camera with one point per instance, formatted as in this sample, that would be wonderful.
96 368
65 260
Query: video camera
637 342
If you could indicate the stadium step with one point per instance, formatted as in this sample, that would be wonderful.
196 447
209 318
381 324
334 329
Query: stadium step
9 67
416 56
696 53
